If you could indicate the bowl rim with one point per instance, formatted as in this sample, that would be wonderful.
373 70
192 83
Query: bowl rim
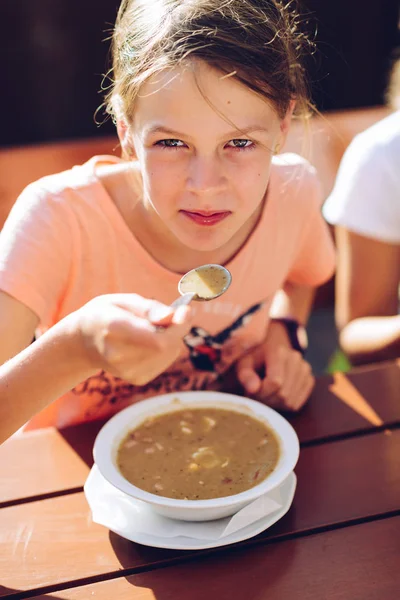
117 427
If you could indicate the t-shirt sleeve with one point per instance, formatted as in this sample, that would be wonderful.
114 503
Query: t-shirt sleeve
366 195
35 251
314 261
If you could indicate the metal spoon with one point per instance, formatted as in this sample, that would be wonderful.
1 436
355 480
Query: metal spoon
201 284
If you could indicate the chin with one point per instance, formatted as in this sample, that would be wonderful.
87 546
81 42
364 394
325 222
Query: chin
206 241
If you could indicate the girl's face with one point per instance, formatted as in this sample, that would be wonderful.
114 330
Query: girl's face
204 144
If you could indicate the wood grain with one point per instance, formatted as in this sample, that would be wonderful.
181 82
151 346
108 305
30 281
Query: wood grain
20 166
329 415
47 461
54 541
38 462
354 563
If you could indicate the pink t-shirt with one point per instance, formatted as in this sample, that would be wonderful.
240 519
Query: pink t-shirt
65 243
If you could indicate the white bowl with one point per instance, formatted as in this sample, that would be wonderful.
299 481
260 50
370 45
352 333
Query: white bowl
114 431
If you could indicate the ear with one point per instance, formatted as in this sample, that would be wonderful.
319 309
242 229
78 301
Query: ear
128 149
285 123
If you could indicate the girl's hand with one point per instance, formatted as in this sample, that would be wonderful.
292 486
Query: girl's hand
288 379
117 336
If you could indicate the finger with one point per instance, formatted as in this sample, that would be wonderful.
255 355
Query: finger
297 370
162 315
275 372
299 394
139 305
182 314
272 400
269 388
301 379
129 328
128 334
247 375
152 310
302 394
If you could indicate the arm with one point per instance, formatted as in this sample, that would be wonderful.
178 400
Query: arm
293 301
39 373
111 332
367 283
274 372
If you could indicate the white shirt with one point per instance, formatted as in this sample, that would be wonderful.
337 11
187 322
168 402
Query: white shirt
366 195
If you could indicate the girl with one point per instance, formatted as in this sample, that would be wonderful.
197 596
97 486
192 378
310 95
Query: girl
203 94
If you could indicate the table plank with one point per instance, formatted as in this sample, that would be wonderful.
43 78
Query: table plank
335 565
53 541
64 455
327 415
38 462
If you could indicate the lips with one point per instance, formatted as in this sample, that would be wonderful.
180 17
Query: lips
206 218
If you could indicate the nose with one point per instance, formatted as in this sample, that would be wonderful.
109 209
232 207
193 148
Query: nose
205 175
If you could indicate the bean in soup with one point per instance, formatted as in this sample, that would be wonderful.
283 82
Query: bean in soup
198 454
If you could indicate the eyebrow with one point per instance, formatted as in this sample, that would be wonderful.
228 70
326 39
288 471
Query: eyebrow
231 134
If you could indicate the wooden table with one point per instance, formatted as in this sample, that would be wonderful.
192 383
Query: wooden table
340 539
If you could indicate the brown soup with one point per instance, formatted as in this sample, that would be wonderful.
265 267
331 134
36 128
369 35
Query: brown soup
207 282
198 454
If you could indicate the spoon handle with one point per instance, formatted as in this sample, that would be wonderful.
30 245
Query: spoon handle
183 300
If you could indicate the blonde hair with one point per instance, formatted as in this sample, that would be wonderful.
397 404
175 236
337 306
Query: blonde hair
259 42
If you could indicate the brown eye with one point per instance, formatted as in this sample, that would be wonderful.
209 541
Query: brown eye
240 144
170 143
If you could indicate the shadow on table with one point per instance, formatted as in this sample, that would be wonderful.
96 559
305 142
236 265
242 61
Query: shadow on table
81 439
360 391
236 563
6 592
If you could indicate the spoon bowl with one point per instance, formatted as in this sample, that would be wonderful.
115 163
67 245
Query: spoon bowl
206 282
200 284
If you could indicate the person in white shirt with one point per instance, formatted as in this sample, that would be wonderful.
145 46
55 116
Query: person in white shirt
364 206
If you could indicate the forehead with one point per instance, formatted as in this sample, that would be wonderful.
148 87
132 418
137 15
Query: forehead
188 97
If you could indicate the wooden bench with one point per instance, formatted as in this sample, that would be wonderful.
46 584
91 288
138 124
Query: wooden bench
326 138
323 141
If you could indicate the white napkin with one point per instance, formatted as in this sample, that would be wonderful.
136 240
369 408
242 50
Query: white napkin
119 512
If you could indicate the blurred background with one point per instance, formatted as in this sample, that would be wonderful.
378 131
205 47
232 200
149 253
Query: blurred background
56 51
